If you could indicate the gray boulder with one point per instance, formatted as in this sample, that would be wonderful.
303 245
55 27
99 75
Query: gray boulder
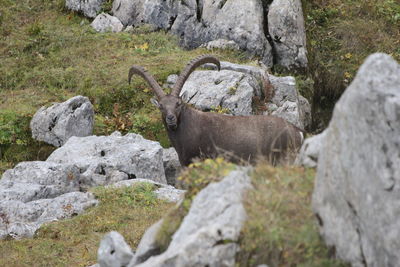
21 219
89 8
286 28
199 22
305 112
208 235
357 190
35 180
284 89
172 167
290 112
108 159
310 150
231 90
221 44
37 192
114 251
254 71
285 102
126 10
107 23
57 123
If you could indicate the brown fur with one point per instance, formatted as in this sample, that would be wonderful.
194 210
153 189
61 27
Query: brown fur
200 134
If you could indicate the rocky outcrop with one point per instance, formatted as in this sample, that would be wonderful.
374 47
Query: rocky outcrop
89 8
199 22
106 23
208 234
356 196
126 10
34 180
310 150
221 44
234 87
37 192
172 166
286 28
230 90
57 123
273 32
114 251
287 103
109 159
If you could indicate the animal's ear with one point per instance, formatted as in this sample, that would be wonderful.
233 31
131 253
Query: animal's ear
184 96
155 102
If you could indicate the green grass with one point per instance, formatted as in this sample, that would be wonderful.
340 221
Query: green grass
340 35
281 229
74 242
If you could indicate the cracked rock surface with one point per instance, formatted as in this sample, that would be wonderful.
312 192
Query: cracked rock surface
274 31
231 90
37 192
235 86
108 159
286 28
89 8
310 151
208 234
357 192
198 22
57 123
106 23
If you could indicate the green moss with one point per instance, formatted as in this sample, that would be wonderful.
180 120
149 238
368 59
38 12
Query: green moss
74 242
281 229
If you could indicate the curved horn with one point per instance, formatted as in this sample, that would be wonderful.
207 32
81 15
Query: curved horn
190 67
148 78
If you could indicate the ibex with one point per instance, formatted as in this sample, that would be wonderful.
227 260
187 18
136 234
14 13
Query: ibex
197 134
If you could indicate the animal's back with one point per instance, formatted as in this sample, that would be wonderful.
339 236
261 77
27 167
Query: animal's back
248 137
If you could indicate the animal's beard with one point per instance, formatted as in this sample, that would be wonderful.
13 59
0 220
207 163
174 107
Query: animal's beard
172 127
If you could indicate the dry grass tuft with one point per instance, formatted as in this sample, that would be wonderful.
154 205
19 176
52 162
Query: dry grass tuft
281 229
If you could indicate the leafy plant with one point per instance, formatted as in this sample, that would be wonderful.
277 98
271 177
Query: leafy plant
14 128
118 122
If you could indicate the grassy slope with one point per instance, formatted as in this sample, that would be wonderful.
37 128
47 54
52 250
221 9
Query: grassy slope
340 35
281 229
48 55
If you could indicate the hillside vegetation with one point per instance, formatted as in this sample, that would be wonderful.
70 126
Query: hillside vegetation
49 54
340 35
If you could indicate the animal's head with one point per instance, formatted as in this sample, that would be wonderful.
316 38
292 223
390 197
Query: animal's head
171 105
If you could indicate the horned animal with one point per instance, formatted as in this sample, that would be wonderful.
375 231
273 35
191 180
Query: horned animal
197 134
